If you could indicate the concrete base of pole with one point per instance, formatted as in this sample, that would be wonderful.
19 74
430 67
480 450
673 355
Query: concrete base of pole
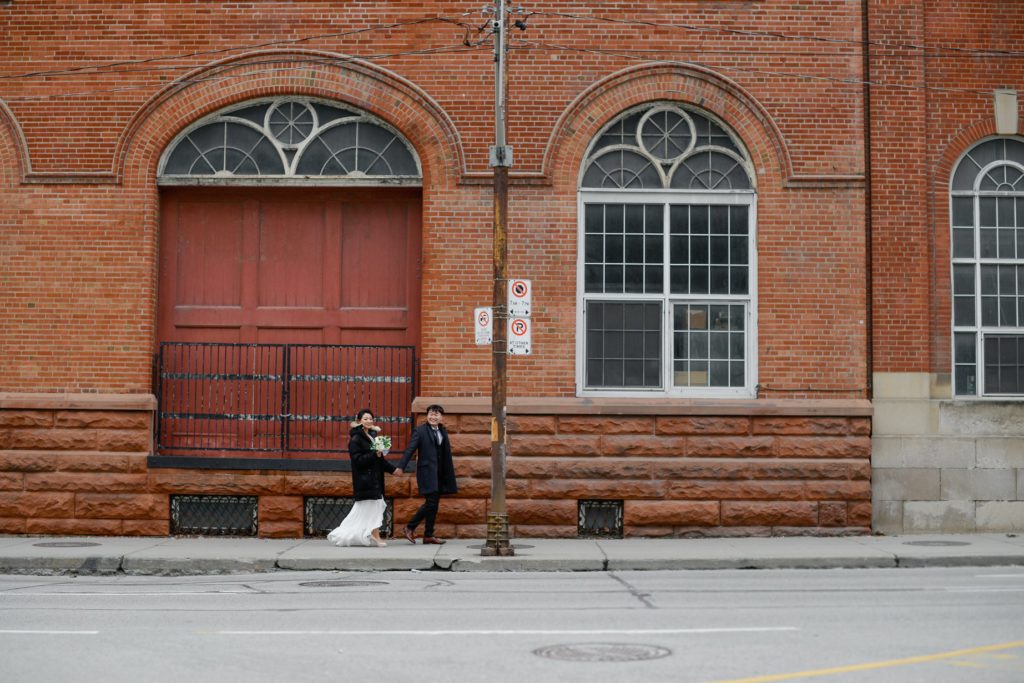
497 544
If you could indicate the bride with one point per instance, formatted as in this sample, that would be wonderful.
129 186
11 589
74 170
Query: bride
362 524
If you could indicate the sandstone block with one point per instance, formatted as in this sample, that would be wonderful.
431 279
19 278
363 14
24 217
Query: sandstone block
462 511
214 483
606 425
757 513
671 513
85 481
25 418
698 426
12 525
822 447
649 447
475 466
32 504
473 488
320 484
79 440
558 512
29 461
529 424
280 529
832 513
471 424
471 444
102 419
596 489
735 490
281 508
557 445
729 446
802 426
95 462
12 481
120 506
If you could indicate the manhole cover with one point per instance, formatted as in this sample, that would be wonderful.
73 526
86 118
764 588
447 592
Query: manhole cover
603 652
65 544
515 546
341 583
936 543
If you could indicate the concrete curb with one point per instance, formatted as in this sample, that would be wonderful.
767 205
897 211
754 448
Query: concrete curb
174 556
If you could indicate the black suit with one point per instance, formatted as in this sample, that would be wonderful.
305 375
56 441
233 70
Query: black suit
435 472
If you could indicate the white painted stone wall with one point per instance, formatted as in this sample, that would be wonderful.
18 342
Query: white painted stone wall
940 465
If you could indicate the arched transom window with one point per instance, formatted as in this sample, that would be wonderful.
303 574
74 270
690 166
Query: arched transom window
286 140
987 210
666 265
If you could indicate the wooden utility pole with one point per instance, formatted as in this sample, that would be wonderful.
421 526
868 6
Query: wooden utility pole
501 159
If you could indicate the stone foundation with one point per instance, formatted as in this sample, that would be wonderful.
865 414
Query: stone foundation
78 464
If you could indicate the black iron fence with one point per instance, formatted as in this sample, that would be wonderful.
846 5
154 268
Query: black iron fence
279 399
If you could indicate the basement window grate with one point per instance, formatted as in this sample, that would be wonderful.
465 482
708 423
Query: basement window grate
214 515
600 519
324 513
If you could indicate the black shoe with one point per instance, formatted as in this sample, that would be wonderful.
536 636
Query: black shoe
407 532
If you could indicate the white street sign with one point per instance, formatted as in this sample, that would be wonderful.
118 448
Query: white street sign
519 337
519 295
483 321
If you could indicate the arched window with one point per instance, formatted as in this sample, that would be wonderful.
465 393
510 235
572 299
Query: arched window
666 264
987 211
287 139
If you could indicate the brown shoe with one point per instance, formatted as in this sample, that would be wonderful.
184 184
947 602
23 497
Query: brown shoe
433 540
407 532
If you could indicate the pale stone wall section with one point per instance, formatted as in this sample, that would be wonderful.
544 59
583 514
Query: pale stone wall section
940 465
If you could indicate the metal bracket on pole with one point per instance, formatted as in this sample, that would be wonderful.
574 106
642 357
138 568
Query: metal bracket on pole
501 155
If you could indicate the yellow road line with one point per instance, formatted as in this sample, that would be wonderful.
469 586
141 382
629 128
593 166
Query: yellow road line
877 665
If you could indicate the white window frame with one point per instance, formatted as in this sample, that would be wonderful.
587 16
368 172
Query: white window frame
979 330
669 197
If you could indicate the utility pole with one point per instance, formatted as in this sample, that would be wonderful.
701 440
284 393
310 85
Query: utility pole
501 159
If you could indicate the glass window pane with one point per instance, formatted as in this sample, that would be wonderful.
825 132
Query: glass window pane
679 249
989 311
613 252
720 250
594 218
593 278
719 280
653 281
594 248
738 216
613 279
963 211
987 211
966 380
634 279
987 239
963 243
963 311
699 219
634 219
963 279
719 220
738 280
680 282
699 280
634 248
698 249
1004 211
654 251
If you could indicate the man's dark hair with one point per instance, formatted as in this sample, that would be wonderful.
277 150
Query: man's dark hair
435 408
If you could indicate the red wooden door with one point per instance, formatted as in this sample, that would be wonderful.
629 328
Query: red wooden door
283 266
290 266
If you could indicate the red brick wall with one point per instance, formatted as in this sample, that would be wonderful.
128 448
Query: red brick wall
81 295
917 134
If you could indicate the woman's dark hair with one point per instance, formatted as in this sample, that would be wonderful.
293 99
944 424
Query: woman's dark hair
364 411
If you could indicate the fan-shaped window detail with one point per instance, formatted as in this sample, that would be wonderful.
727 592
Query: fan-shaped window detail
648 148
667 252
289 138
987 217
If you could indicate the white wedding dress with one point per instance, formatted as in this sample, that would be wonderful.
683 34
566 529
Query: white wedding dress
362 519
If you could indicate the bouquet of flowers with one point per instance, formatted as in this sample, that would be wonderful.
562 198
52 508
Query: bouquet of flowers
381 444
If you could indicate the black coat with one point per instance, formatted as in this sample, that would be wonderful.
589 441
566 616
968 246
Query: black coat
435 471
367 468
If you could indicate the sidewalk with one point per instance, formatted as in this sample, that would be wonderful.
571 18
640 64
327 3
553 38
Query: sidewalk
213 555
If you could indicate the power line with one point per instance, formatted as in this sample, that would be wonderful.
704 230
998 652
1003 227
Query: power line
788 36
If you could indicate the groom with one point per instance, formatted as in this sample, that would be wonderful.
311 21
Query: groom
435 472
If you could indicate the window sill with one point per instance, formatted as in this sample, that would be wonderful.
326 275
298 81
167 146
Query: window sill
650 406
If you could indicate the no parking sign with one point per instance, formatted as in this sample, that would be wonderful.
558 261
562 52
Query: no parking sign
519 295
519 337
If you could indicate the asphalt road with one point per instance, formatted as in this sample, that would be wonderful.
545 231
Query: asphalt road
878 625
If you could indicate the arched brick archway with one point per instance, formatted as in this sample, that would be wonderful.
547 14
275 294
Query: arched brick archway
13 154
295 226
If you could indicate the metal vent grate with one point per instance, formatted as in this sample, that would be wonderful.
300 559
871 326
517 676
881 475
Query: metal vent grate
214 515
324 513
600 519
